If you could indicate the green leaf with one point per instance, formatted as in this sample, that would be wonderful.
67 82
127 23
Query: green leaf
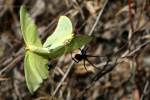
62 39
76 42
36 70
62 34
29 29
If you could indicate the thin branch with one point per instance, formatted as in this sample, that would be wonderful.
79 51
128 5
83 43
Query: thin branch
72 63
62 80
145 90
98 17
130 15
12 64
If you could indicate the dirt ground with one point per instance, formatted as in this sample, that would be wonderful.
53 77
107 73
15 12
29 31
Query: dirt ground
120 31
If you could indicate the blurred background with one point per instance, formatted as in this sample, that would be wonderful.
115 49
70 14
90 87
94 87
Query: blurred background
122 33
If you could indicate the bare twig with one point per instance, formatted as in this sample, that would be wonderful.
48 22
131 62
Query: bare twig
138 49
12 64
3 79
130 15
141 12
98 17
145 90
108 68
72 63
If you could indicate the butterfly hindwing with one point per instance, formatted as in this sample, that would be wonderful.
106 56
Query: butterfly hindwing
36 70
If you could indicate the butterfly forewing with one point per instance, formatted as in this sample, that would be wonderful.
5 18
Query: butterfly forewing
62 33
29 29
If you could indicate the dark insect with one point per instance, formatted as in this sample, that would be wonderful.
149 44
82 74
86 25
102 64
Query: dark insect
50 65
84 56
